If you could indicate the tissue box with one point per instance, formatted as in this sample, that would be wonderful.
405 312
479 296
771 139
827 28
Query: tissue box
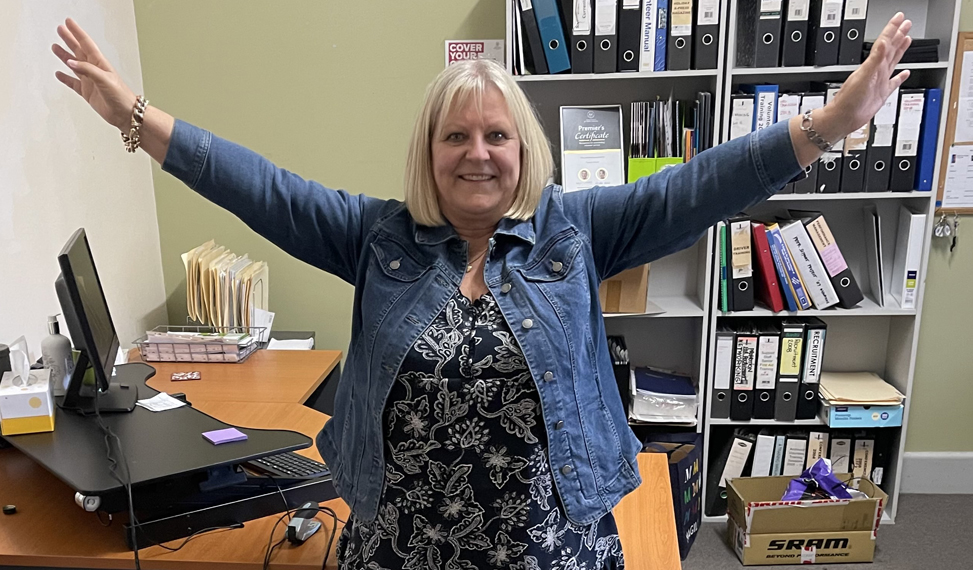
27 409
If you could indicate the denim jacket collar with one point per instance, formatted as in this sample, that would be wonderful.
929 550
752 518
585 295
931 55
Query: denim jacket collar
524 229
434 235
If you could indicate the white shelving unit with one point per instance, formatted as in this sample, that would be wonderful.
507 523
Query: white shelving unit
678 284
880 339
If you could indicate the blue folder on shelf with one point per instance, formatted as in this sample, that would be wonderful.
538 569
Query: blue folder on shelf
552 35
661 34
926 159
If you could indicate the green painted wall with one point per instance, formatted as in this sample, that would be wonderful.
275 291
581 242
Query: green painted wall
940 418
312 87
327 89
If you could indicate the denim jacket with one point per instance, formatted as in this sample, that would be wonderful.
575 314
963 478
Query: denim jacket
544 273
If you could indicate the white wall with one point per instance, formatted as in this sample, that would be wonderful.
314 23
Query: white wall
62 167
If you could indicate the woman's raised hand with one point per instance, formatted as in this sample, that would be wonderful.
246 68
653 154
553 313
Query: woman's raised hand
95 79
867 88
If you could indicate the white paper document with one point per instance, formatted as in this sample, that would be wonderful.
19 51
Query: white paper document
964 115
958 190
291 344
161 402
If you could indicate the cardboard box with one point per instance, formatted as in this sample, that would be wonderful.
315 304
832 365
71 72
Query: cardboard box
626 292
861 416
27 409
764 530
801 548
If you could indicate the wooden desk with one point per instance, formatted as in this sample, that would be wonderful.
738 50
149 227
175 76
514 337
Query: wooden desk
284 376
50 530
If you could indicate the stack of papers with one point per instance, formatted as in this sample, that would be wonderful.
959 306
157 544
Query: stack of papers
162 345
223 289
858 389
660 396
291 344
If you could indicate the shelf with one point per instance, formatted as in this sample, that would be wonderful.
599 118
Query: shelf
726 422
850 196
821 71
620 75
867 308
672 306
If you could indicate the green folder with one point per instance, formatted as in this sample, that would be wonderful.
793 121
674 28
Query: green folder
640 167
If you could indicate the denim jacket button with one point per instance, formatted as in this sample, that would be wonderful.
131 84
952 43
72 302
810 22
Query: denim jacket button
528 323
548 376
559 424
505 288
556 266
566 469
394 264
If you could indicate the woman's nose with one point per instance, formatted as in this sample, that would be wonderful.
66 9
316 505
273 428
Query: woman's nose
477 149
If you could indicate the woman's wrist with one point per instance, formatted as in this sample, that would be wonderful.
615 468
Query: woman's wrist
830 124
123 119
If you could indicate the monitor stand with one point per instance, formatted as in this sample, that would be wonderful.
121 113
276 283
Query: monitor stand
119 398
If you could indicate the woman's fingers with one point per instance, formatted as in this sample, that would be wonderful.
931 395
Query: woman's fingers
898 80
87 44
62 54
888 32
71 82
901 50
70 41
89 70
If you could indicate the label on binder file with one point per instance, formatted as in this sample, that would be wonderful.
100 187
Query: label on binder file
605 17
856 9
910 122
824 242
831 14
709 13
582 17
797 10
770 9
911 286
681 18
768 350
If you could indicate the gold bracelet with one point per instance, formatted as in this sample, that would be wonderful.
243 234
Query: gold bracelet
133 139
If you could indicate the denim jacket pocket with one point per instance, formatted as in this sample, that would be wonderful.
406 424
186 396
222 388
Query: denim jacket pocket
554 261
396 262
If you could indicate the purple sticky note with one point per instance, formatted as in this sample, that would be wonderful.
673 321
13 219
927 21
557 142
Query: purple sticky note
227 435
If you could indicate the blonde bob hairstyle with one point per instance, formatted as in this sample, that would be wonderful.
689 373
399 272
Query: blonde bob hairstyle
452 88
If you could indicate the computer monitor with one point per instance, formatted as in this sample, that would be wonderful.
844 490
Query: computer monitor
85 311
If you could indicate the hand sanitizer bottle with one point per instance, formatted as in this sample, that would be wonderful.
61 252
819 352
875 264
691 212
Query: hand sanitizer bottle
56 355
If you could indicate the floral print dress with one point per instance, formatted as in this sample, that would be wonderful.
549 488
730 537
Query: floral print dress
467 481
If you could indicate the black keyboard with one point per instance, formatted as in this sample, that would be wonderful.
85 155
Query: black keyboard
290 465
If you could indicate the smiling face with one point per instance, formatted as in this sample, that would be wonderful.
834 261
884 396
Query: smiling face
476 161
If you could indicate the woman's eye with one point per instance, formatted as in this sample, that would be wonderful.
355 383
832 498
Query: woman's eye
454 137
497 136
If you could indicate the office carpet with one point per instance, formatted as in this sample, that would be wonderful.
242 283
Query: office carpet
932 532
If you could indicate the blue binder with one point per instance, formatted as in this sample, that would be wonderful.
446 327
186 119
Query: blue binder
552 35
661 34
927 139
766 95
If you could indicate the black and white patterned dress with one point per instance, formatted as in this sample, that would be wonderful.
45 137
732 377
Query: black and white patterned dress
467 481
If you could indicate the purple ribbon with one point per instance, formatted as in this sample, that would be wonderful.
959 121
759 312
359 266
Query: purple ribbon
817 482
